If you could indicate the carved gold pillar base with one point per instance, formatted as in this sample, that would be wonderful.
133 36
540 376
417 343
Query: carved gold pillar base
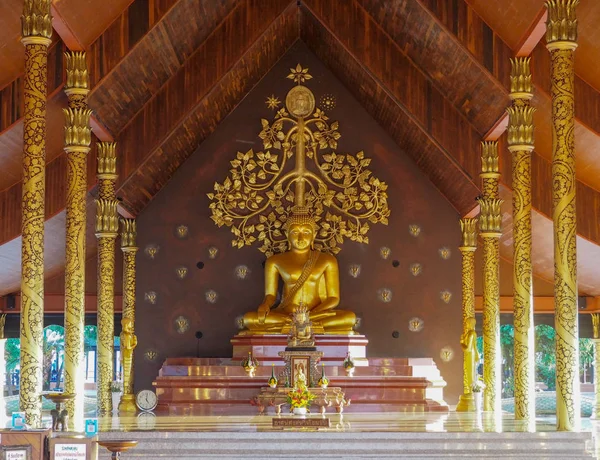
127 404
466 403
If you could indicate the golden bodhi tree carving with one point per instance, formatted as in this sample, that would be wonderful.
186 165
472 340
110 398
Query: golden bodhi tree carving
341 194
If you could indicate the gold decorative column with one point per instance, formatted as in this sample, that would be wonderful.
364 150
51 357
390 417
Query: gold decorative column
490 231
596 339
36 32
107 228
129 248
466 402
520 144
561 37
77 146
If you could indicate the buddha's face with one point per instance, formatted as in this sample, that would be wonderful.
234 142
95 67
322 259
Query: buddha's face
471 323
127 325
301 236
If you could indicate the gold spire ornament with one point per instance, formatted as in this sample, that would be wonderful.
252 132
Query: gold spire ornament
36 23
561 42
337 191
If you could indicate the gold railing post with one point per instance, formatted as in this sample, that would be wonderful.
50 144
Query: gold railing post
520 144
36 24
561 41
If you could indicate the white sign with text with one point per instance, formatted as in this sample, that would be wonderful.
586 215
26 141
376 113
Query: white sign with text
20 454
70 451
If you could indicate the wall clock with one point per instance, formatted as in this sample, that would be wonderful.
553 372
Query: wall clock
146 400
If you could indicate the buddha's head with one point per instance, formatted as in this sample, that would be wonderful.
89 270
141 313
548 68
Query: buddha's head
301 229
127 324
471 322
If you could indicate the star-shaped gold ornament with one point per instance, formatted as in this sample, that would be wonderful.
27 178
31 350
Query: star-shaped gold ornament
272 102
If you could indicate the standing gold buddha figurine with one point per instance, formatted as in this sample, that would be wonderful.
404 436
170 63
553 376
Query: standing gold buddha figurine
128 344
310 278
468 342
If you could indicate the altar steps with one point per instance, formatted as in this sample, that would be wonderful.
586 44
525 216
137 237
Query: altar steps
348 445
199 385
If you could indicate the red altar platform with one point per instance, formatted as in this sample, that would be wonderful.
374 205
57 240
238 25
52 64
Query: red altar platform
213 385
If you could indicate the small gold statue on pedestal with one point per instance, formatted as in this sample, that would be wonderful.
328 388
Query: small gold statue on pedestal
301 334
128 344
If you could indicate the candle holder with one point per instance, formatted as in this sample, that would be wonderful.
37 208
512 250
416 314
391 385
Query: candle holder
116 447
60 416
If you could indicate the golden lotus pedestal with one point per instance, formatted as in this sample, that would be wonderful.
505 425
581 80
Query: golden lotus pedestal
277 397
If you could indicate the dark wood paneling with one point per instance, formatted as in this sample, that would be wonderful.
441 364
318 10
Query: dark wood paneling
460 76
181 116
123 34
474 35
159 55
423 123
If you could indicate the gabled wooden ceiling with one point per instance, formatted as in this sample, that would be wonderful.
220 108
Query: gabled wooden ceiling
433 73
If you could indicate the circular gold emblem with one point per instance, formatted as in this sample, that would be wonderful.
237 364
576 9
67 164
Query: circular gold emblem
300 101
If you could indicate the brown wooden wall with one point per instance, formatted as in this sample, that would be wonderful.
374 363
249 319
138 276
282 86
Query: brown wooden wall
123 34
475 35
413 200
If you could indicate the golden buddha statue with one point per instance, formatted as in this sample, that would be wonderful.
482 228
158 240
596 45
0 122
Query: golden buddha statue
310 278
337 188
468 342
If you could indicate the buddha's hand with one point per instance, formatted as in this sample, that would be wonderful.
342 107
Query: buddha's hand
263 311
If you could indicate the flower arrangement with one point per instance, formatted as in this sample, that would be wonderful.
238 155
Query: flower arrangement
116 386
478 386
300 397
